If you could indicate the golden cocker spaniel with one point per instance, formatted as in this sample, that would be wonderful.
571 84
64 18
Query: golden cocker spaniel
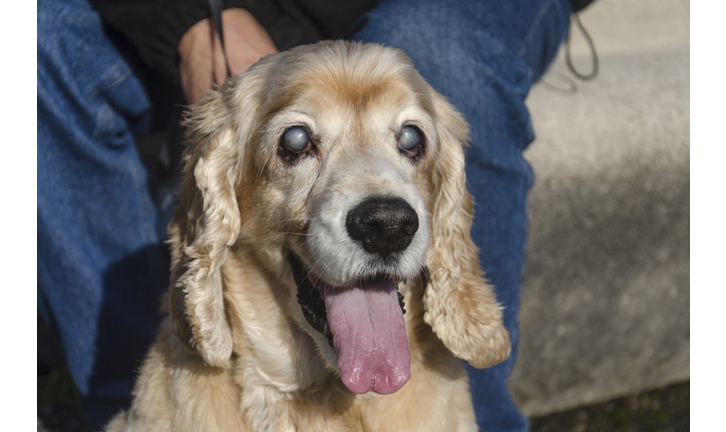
323 273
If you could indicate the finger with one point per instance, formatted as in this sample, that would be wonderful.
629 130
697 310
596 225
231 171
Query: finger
189 81
195 66
196 75
246 41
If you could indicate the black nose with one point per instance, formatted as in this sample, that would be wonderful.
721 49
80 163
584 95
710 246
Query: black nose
382 225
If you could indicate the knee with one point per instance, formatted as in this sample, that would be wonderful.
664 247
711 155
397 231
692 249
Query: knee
84 85
450 41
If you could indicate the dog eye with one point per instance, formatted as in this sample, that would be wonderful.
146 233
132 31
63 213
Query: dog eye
295 141
409 140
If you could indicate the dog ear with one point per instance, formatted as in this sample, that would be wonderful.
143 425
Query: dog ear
459 305
205 224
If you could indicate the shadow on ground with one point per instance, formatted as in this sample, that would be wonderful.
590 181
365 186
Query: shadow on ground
59 404
662 410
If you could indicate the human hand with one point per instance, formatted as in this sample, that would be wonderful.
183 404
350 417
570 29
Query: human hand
202 65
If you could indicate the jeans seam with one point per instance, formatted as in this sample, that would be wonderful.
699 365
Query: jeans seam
119 73
535 25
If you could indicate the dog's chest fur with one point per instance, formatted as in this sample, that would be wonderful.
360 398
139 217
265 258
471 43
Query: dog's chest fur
286 386
278 382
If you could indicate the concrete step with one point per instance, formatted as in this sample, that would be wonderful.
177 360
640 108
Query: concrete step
605 308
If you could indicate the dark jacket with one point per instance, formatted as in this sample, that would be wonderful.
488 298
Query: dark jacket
154 28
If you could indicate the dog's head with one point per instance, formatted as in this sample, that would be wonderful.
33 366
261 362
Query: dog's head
343 171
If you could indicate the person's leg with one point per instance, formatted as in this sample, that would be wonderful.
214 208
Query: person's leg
484 56
101 265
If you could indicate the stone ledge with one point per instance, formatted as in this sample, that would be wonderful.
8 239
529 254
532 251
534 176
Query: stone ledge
605 307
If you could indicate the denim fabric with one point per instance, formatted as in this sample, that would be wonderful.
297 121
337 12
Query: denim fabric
484 56
101 264
101 268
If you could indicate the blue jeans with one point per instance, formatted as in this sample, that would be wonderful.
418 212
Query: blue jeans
101 263
484 56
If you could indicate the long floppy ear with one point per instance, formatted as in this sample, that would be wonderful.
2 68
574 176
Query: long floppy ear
459 305
206 223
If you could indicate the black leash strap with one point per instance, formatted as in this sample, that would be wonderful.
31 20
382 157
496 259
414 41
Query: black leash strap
215 7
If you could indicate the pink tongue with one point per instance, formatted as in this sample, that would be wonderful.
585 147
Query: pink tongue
370 336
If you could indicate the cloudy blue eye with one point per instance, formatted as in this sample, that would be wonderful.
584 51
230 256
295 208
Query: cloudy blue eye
409 140
295 140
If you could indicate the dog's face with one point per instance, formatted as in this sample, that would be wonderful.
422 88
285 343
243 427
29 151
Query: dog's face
341 168
344 158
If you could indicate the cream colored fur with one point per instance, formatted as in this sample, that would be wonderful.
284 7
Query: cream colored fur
235 352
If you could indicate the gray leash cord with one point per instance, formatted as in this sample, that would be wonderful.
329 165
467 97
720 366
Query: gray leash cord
590 44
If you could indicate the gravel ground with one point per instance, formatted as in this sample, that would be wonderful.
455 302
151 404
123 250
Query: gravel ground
662 410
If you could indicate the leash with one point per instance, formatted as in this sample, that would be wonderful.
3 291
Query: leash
595 64
215 7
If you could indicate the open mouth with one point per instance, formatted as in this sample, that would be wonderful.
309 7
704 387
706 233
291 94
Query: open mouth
364 323
310 299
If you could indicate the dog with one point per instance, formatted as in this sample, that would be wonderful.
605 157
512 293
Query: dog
323 274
